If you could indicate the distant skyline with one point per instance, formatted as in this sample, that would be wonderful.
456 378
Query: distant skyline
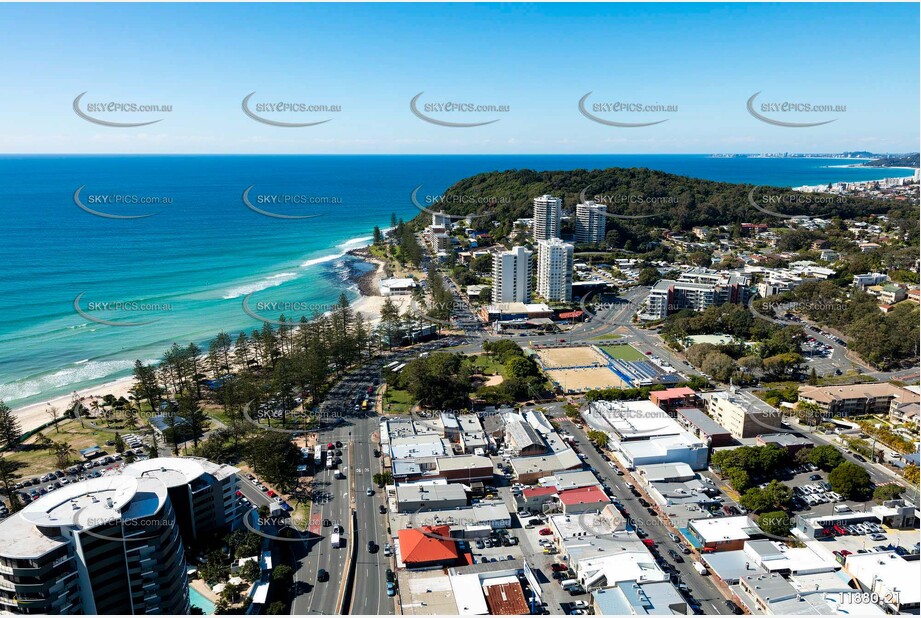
539 60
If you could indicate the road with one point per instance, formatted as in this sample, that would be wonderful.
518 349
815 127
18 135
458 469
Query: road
706 593
359 430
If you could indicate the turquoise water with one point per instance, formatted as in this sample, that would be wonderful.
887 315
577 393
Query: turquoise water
195 260
196 599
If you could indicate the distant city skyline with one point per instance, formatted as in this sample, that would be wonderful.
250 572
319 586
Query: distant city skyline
550 73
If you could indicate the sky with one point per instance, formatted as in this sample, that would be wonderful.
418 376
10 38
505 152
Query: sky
537 59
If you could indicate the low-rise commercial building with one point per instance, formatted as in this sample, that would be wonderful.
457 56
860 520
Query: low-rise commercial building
721 533
631 598
583 500
413 497
671 399
529 469
703 427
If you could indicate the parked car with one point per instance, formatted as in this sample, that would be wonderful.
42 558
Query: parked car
545 532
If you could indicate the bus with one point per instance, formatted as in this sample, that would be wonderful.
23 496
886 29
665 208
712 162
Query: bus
318 455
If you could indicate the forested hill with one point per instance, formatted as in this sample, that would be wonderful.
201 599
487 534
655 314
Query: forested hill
678 202
909 160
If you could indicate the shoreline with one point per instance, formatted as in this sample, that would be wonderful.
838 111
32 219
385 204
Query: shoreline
368 304
34 415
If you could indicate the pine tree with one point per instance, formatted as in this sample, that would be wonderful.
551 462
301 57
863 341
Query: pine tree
10 429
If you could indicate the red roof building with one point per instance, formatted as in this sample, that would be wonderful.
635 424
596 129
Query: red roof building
583 499
670 399
506 599
427 546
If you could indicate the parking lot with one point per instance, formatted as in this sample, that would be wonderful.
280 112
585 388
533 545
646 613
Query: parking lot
31 489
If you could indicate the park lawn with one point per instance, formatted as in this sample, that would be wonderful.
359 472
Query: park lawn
400 401
623 352
37 461
300 516
487 365
851 377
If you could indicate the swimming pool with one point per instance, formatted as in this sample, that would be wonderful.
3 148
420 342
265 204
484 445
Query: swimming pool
196 599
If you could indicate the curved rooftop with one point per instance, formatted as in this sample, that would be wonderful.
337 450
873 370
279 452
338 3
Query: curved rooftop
172 471
84 504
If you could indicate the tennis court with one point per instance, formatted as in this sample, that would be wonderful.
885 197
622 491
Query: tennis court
623 352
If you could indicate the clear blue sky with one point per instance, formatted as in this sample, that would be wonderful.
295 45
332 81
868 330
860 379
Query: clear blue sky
539 59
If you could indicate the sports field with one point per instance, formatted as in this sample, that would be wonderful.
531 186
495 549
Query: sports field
582 356
623 352
581 380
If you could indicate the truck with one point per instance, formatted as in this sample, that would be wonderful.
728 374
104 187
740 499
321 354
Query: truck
700 568
330 461
335 540
364 404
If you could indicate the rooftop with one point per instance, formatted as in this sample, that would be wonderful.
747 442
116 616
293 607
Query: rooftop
583 495
631 420
426 545
714 529
703 422
827 394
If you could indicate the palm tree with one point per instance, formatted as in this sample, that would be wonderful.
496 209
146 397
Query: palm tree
62 453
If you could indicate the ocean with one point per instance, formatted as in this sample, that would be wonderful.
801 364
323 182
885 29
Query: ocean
83 295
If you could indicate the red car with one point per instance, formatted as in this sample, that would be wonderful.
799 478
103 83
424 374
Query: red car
271 494
239 493
545 532
648 353
649 543
330 446
557 567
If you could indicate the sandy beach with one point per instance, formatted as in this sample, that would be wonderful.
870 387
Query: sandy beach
369 305
36 415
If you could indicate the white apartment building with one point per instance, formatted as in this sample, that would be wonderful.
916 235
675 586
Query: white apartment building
547 211
108 545
554 269
591 224
511 276
697 290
